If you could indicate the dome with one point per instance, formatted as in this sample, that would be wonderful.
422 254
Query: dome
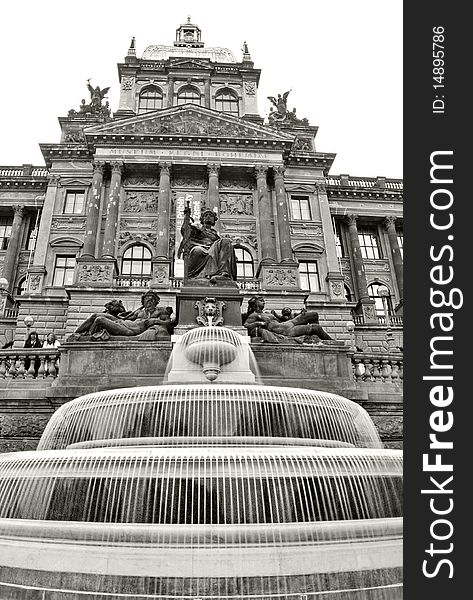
220 55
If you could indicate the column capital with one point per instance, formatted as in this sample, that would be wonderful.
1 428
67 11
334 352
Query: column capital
98 166
279 171
351 219
54 180
164 168
389 222
213 168
19 210
261 170
117 166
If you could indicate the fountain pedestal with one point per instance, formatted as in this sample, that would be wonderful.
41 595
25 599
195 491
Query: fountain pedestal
196 290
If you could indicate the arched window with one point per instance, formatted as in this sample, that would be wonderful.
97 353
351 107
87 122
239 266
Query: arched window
347 292
188 95
136 261
227 102
245 267
151 98
373 291
21 287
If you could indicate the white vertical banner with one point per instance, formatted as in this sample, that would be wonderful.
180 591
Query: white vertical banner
195 204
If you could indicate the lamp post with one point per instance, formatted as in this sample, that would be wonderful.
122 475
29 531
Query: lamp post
350 327
384 294
28 321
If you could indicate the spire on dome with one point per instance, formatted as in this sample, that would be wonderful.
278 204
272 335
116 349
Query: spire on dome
188 35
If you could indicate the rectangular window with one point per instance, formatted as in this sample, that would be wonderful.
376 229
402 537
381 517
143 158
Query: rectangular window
309 274
369 244
30 242
339 242
300 208
64 271
5 231
74 202
400 241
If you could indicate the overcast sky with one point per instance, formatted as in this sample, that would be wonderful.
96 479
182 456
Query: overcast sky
342 59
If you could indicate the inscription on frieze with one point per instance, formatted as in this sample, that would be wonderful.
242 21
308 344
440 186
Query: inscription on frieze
67 223
126 224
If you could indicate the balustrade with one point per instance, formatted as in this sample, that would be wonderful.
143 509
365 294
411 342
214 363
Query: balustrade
377 367
26 363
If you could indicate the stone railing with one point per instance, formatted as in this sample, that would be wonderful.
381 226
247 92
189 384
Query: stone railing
10 313
23 171
250 285
394 320
365 182
141 281
29 363
377 367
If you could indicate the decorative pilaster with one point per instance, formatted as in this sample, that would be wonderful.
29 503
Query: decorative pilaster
93 210
11 256
390 225
111 223
268 250
285 245
365 303
213 170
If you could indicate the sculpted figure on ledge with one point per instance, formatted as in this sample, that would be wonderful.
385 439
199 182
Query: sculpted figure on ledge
300 329
147 323
205 253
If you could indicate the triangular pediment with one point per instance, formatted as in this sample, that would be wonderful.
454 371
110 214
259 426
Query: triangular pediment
188 120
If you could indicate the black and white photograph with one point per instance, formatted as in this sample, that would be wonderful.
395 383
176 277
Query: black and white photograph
202 303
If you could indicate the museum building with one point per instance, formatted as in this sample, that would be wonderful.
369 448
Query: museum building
102 220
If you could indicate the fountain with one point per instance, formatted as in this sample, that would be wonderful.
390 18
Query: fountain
213 488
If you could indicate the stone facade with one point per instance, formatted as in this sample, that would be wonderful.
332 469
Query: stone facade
102 218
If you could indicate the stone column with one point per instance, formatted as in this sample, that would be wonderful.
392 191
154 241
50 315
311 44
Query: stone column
164 207
11 256
213 170
111 223
365 303
93 209
334 274
282 215
390 225
207 93
170 91
161 265
37 270
268 250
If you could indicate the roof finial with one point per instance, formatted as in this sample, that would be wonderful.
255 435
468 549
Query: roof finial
131 49
246 53
188 19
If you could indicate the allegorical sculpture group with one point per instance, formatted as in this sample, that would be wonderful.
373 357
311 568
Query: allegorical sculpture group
211 259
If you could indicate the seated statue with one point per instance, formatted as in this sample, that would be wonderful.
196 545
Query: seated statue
205 253
269 328
149 322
